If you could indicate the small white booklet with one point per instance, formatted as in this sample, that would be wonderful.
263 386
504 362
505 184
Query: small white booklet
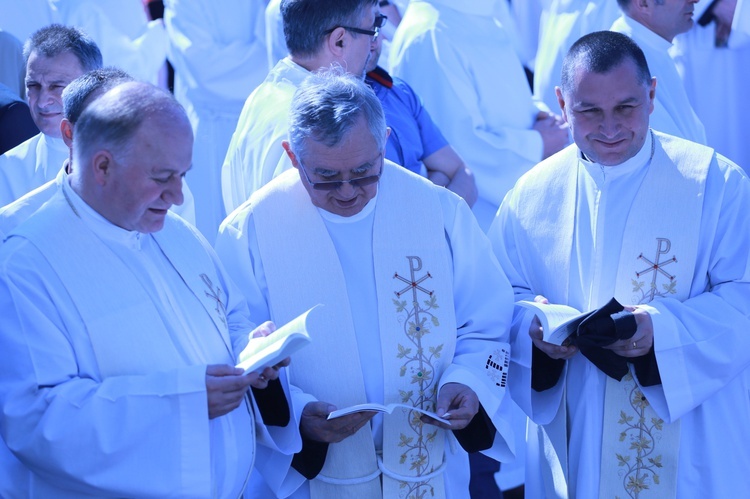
383 408
267 351
558 321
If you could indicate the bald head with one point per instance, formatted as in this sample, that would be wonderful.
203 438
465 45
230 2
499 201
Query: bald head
132 148
112 120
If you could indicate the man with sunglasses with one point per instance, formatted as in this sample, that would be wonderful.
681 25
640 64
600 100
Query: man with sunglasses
318 33
416 308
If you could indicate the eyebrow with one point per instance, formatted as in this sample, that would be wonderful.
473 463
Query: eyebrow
324 171
629 100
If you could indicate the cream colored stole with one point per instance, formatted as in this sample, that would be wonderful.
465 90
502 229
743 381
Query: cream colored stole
126 331
660 244
413 273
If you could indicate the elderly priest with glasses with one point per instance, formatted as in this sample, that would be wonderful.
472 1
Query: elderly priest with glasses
418 310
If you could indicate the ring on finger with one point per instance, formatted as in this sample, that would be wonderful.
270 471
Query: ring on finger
635 345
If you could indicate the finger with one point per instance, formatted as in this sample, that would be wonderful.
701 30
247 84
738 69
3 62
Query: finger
223 370
541 299
269 373
283 363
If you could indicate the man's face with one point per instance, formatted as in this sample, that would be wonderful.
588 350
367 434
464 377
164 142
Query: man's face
46 77
141 186
355 156
671 17
608 113
357 53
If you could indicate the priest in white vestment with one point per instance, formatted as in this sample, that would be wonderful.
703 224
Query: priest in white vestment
661 224
463 62
340 33
416 305
120 328
218 51
653 26
55 56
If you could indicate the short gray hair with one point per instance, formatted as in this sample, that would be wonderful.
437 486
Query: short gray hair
55 39
76 95
326 107
111 121
307 21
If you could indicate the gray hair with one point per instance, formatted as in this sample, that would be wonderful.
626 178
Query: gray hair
328 104
600 52
306 22
111 121
55 39
76 95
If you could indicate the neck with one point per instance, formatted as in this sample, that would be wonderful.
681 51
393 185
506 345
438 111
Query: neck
314 62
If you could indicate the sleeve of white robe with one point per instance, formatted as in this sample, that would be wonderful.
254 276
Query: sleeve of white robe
218 48
62 421
703 343
483 303
541 407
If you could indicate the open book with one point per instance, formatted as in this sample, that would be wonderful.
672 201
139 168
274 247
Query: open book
558 321
384 408
267 351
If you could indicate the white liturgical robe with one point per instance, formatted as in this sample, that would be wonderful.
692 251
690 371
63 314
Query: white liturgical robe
123 33
701 344
219 54
463 64
716 81
105 335
30 165
480 295
255 155
673 113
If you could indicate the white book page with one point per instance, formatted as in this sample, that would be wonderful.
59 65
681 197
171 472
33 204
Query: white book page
384 408
267 351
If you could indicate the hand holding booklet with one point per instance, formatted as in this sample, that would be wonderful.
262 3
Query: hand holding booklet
558 321
267 351
385 408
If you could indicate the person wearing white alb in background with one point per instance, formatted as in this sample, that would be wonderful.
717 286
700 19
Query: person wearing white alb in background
463 63
218 51
714 61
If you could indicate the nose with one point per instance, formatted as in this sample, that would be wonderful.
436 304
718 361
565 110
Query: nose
347 190
609 126
173 192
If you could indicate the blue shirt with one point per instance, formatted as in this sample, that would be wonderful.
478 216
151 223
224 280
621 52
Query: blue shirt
414 135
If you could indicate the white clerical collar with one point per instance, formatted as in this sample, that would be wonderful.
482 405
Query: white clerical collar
338 219
474 7
645 36
103 228
641 160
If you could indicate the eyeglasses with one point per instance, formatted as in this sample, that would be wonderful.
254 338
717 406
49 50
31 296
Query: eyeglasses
380 20
332 185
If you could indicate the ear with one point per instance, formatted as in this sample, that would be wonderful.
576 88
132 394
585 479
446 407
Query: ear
66 128
336 42
387 133
292 156
102 164
561 102
652 95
